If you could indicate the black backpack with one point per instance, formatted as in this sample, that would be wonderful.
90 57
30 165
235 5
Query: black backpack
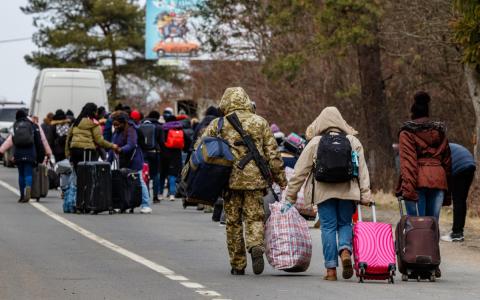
334 159
147 135
23 135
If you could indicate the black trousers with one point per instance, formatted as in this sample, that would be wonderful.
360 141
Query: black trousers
460 187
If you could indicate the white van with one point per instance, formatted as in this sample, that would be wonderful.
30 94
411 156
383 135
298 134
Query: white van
67 89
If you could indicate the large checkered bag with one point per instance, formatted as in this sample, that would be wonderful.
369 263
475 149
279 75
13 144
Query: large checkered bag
288 241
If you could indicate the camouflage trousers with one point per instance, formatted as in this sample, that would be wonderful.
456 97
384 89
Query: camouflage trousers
243 206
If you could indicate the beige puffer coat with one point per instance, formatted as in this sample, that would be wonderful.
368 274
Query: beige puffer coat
356 189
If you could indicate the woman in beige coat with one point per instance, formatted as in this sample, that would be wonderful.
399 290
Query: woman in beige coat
335 201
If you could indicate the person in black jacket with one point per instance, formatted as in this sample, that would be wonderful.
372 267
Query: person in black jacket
152 156
28 148
211 114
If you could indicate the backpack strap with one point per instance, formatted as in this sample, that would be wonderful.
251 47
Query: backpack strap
221 121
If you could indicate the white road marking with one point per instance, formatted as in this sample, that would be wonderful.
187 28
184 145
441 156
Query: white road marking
192 285
170 274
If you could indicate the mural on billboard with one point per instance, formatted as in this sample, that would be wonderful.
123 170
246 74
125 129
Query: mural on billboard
169 31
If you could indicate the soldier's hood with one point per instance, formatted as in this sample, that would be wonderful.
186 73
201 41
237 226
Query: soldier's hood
235 99
331 118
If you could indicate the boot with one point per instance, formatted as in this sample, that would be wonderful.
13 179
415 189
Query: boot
346 264
331 274
257 260
234 271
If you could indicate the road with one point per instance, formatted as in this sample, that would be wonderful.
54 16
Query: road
171 254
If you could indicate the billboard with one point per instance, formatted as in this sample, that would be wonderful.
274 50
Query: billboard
170 33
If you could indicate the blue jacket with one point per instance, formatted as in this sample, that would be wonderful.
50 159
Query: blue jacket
131 156
462 159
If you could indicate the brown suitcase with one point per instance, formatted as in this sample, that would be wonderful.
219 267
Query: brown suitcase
39 182
417 246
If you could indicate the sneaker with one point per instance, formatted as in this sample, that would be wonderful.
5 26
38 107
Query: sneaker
28 194
145 210
20 200
346 258
172 198
156 200
257 260
237 272
453 237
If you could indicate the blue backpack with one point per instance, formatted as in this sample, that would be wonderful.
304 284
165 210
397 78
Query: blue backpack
209 169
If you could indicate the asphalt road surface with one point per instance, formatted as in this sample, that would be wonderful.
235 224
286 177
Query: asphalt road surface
171 254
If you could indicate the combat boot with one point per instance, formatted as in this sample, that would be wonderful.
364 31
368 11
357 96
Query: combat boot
237 272
257 260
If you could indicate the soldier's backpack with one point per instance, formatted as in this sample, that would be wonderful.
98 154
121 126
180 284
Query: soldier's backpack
23 135
334 159
149 135
209 169
175 139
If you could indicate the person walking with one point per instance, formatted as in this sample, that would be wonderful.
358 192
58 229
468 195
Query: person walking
425 161
463 172
61 126
28 151
131 156
84 136
171 158
48 129
153 134
334 198
244 197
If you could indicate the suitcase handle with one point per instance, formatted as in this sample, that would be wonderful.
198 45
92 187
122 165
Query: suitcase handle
374 212
402 203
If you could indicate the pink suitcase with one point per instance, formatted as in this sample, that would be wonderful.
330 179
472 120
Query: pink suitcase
373 249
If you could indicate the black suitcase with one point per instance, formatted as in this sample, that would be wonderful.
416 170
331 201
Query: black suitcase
94 187
417 246
127 194
39 182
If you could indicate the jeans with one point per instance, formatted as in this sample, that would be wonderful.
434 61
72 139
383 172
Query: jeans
429 203
25 172
172 184
145 195
335 218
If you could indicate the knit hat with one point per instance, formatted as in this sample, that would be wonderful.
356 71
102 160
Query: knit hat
420 107
274 127
59 115
136 115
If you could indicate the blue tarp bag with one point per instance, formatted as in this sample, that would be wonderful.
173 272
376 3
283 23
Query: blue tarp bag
209 169
70 195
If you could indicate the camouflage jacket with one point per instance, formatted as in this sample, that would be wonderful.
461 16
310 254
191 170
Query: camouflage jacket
235 100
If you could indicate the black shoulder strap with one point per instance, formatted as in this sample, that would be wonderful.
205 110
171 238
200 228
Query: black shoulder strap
220 126
237 125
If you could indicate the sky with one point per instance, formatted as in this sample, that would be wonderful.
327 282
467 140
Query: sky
16 77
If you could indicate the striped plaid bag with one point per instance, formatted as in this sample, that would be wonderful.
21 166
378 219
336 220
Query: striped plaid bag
288 242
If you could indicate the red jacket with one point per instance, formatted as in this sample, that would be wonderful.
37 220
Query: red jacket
425 160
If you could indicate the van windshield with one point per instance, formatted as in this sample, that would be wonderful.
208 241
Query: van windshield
7 114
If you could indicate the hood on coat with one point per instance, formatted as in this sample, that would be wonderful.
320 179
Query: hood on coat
235 99
87 124
431 133
60 122
330 117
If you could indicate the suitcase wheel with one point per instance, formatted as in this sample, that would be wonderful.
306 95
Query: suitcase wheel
432 278
38 199
361 274
404 277
131 211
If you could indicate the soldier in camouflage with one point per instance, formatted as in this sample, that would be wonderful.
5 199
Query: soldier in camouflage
244 198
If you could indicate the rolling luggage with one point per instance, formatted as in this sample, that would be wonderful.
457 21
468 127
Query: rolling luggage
373 249
94 187
53 178
417 244
39 182
127 191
